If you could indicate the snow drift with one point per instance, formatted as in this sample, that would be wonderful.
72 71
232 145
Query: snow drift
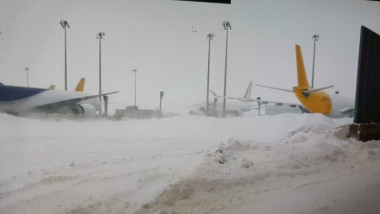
287 163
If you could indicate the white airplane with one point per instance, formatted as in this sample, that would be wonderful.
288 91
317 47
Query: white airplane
263 106
232 109
22 101
313 100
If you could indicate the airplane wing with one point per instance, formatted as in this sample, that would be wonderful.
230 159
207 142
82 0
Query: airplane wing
234 98
69 102
259 101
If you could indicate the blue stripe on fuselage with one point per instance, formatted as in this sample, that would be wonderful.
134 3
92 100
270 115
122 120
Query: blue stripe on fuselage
13 93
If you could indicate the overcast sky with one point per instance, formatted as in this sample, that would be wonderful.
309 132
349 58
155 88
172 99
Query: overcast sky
156 38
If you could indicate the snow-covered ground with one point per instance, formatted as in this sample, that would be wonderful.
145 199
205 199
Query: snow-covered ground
289 163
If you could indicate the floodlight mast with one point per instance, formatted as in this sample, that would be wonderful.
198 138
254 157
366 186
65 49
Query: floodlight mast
27 76
65 25
226 26
210 37
100 37
134 71
315 37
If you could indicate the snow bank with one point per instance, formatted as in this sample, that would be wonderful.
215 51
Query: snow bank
183 164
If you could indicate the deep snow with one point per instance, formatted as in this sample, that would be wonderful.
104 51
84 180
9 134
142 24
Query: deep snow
289 163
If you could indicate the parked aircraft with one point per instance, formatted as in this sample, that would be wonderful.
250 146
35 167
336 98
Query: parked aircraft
233 109
264 106
80 85
313 100
17 100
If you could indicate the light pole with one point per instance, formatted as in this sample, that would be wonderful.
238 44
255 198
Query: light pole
226 26
27 76
134 71
100 37
65 25
210 37
161 96
315 37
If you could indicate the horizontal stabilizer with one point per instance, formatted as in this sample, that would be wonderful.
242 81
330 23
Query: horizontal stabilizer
319 89
213 93
307 92
233 98
280 89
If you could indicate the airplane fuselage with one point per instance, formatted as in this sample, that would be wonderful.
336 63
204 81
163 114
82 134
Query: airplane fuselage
19 100
316 102
324 103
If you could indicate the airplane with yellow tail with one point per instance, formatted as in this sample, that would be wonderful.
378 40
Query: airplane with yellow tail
17 100
313 100
80 85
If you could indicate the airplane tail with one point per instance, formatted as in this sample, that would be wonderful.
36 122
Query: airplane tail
248 91
80 86
302 78
301 73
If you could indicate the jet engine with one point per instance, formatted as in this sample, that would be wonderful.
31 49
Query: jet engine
87 110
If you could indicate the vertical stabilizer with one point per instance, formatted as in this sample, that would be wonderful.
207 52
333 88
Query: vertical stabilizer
80 86
248 91
301 73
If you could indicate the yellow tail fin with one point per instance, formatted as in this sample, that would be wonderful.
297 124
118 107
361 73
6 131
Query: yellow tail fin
301 73
80 86
52 87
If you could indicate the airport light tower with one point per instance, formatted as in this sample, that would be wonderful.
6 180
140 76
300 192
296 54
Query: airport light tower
134 71
210 37
315 37
100 37
65 25
27 76
226 26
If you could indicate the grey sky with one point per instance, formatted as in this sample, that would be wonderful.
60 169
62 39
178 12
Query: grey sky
156 38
